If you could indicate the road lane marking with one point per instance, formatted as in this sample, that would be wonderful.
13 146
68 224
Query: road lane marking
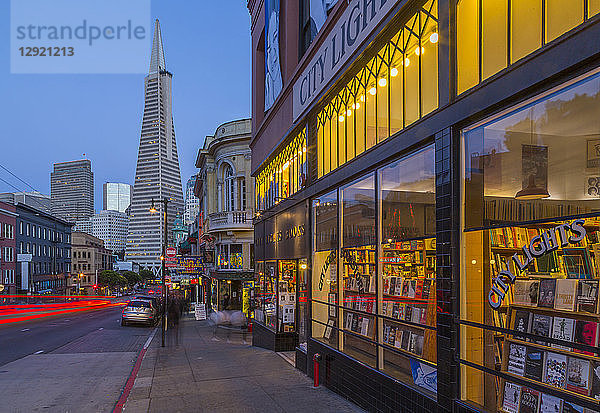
25 329
150 338
39 352
101 328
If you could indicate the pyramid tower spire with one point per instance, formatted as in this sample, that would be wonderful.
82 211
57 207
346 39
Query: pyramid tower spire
157 58
157 175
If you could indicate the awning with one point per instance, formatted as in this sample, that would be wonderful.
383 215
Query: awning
232 275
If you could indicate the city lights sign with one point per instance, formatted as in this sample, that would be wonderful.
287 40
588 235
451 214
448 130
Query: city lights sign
358 20
540 245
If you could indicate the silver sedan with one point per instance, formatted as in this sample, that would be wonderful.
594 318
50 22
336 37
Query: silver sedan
139 311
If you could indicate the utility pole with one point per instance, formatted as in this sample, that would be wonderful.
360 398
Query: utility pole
165 202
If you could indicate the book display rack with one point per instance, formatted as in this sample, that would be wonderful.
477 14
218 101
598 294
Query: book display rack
360 295
552 311
408 305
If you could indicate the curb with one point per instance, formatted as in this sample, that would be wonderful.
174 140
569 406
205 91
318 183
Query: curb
136 368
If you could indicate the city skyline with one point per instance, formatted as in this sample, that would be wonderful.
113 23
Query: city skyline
61 131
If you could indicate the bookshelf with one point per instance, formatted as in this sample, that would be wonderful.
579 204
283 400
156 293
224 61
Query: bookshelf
555 297
408 304
359 293
549 373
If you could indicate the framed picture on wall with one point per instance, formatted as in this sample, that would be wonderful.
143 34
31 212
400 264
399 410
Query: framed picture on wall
331 299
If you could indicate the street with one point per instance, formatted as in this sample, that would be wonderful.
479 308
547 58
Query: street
85 357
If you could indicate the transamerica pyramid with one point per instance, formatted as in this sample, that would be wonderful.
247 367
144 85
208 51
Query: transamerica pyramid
157 173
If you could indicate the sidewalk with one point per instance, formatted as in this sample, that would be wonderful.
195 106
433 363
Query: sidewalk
208 374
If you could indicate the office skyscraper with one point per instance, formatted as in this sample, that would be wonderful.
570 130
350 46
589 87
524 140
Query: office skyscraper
157 173
192 203
115 196
72 190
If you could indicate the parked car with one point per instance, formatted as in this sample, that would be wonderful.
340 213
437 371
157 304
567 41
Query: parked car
139 311
155 300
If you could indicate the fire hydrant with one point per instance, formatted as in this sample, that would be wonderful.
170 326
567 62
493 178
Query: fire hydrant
316 361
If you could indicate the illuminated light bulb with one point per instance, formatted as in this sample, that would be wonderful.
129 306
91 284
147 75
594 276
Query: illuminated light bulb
358 106
304 149
349 112
372 91
394 72
354 106
433 38
417 51
473 262
362 98
406 62
341 118
382 82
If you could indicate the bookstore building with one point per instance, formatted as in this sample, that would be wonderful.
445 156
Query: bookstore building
428 197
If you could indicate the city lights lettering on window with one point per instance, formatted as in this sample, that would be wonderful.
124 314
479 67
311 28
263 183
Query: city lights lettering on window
539 246
359 18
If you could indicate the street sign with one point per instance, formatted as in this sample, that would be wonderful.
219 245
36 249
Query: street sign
171 257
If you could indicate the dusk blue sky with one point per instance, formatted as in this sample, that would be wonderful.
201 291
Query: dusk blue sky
54 118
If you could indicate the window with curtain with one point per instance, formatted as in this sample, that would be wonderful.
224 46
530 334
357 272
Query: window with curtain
228 189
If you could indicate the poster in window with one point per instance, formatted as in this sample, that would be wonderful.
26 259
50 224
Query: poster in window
332 302
273 80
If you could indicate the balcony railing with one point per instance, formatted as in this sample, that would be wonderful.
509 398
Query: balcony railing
230 220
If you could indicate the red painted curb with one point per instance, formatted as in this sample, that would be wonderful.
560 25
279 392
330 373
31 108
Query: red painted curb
136 368
128 386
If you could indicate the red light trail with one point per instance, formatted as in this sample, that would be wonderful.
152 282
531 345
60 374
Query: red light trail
12 313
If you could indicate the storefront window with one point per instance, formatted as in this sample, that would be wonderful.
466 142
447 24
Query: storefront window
324 269
493 34
284 175
407 265
397 87
287 295
358 269
387 305
259 284
530 255
270 294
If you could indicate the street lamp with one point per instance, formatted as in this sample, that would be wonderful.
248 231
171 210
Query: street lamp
153 209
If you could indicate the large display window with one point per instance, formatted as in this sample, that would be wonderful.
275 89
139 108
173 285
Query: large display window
325 269
407 265
381 309
490 35
530 255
